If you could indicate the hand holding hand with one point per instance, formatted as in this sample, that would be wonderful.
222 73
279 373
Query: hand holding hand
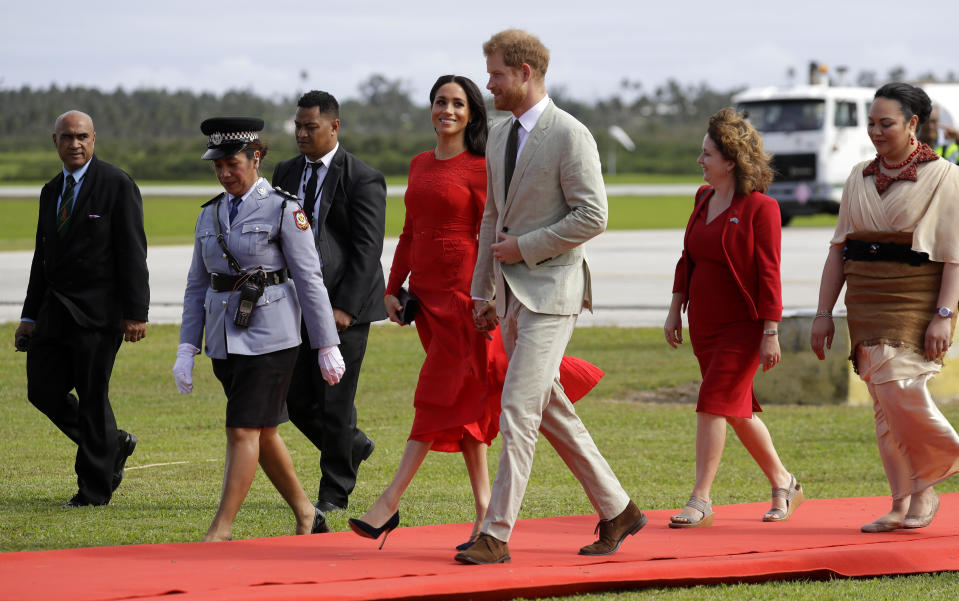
183 368
484 316
331 364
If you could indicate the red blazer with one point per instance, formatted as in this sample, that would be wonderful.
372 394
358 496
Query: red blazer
752 235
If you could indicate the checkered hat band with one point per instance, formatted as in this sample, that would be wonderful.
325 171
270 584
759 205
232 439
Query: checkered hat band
217 138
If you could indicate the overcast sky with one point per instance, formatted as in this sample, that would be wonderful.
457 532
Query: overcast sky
264 46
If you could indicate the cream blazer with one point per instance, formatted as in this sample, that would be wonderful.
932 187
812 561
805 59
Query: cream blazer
556 202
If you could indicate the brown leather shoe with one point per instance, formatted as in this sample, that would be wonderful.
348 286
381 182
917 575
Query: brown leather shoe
486 549
613 532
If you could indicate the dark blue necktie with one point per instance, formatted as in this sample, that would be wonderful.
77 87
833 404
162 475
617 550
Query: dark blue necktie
234 207
309 193
66 205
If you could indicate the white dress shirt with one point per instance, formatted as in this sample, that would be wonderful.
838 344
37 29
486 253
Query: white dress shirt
527 122
321 172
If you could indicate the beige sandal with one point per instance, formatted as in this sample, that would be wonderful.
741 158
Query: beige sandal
793 496
702 506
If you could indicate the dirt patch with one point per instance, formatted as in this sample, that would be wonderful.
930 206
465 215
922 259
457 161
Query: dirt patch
684 393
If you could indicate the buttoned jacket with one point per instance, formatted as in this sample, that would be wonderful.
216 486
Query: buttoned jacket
751 243
97 269
350 227
257 240
555 203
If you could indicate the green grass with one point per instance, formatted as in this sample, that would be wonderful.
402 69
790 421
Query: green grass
170 220
391 180
653 178
650 446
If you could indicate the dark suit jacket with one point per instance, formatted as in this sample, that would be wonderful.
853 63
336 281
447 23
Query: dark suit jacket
98 270
752 241
352 225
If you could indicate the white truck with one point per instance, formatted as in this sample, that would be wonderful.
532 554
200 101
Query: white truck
816 133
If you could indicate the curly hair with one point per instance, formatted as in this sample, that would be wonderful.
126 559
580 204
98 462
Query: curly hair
739 142
519 47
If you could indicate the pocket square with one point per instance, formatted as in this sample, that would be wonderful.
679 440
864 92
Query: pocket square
93 216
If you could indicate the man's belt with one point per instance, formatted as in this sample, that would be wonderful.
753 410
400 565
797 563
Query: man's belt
221 282
860 250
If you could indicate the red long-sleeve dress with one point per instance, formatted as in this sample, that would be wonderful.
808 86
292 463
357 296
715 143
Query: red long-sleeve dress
461 381
729 276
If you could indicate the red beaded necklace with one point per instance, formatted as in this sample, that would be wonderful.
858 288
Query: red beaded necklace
911 156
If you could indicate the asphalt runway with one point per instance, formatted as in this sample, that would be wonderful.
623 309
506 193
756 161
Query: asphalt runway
632 273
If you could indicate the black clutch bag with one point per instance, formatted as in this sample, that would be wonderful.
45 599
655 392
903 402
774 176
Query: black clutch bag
410 305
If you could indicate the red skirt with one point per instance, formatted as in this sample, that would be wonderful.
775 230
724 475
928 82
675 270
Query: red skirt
728 355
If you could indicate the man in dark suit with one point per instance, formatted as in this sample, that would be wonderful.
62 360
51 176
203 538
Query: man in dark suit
88 291
345 202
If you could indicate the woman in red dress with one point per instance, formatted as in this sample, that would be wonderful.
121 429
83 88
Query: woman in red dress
728 275
457 398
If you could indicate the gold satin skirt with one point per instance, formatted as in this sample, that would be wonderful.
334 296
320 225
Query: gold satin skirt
917 444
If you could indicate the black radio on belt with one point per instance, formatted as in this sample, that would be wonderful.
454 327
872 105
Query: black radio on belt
250 292
250 284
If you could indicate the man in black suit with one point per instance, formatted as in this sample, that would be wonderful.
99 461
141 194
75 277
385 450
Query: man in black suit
88 291
345 202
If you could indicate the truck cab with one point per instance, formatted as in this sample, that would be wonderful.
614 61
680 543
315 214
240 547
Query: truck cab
816 133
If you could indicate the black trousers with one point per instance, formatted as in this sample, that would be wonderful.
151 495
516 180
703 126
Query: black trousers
63 356
327 415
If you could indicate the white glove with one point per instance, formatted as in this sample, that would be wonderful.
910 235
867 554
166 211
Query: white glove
331 364
183 368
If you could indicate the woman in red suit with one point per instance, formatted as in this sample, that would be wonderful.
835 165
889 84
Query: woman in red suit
728 276
457 398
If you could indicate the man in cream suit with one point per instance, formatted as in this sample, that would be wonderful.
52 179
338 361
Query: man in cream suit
545 198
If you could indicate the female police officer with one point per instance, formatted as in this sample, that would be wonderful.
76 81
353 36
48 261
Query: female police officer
249 242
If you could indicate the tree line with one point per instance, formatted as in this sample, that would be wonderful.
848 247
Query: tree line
154 134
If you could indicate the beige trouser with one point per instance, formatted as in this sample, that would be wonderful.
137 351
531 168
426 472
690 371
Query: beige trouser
533 401
917 444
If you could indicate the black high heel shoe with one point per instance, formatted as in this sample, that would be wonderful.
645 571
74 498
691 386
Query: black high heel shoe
366 531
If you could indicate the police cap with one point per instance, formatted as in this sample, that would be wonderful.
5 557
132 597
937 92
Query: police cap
229 135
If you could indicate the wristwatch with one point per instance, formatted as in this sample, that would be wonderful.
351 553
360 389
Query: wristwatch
945 312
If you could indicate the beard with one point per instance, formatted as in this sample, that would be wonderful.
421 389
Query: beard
509 99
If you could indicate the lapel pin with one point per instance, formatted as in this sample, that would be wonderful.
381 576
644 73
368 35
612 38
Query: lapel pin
734 219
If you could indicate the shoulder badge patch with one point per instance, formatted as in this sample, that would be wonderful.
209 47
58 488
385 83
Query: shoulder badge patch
299 217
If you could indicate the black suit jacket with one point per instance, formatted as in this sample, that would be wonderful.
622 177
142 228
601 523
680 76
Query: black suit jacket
351 226
98 270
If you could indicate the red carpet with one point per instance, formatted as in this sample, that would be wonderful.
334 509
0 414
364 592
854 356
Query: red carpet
822 538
